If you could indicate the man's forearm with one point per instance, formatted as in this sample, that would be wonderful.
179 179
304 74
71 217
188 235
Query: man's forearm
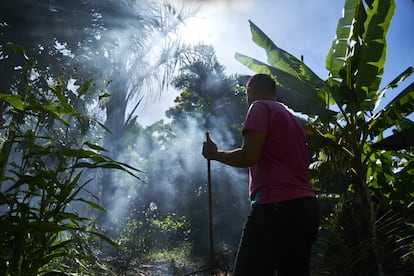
236 158
245 156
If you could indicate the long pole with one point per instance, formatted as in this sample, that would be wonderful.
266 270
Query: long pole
210 211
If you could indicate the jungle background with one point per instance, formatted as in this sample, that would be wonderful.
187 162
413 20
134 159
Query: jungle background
86 189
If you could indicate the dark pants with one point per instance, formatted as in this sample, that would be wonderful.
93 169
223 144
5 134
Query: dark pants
278 237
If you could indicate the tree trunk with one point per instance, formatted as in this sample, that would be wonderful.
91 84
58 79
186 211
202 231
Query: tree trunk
116 111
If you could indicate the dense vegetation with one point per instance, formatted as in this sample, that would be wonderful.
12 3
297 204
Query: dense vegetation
83 184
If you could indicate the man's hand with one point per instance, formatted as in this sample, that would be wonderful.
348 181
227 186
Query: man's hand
246 156
209 149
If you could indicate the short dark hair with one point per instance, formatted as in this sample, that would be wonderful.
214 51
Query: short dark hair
262 82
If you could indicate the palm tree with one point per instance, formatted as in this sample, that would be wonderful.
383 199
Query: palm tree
147 53
132 47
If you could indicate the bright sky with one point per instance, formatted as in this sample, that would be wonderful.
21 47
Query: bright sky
301 27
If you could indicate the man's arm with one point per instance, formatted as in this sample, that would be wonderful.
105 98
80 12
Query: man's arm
245 156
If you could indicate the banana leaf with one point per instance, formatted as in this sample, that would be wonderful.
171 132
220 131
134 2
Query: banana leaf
400 140
371 58
335 59
286 62
301 98
401 106
357 56
393 84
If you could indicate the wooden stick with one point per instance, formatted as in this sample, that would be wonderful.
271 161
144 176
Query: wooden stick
212 258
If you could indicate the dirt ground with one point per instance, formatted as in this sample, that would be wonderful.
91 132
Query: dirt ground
159 268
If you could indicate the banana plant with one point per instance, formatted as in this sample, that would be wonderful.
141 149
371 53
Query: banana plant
343 121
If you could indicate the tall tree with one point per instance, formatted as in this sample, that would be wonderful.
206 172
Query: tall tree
128 47
147 55
207 91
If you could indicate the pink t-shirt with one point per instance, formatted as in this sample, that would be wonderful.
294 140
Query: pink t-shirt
281 173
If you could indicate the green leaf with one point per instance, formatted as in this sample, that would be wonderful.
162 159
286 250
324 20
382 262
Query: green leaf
20 51
44 226
14 100
85 88
107 239
104 96
306 101
62 244
284 61
400 140
52 110
405 180
67 108
275 56
81 153
336 57
372 55
101 125
95 146
393 84
72 217
92 204
402 105
109 165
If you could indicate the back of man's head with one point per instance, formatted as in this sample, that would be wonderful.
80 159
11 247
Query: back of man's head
263 83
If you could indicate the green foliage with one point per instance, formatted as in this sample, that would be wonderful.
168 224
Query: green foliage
309 95
351 157
207 92
154 234
354 257
43 179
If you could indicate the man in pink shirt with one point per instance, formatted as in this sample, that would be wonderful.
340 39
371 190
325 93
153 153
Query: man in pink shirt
283 223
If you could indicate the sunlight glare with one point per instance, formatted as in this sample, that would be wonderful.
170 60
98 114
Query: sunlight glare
195 31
